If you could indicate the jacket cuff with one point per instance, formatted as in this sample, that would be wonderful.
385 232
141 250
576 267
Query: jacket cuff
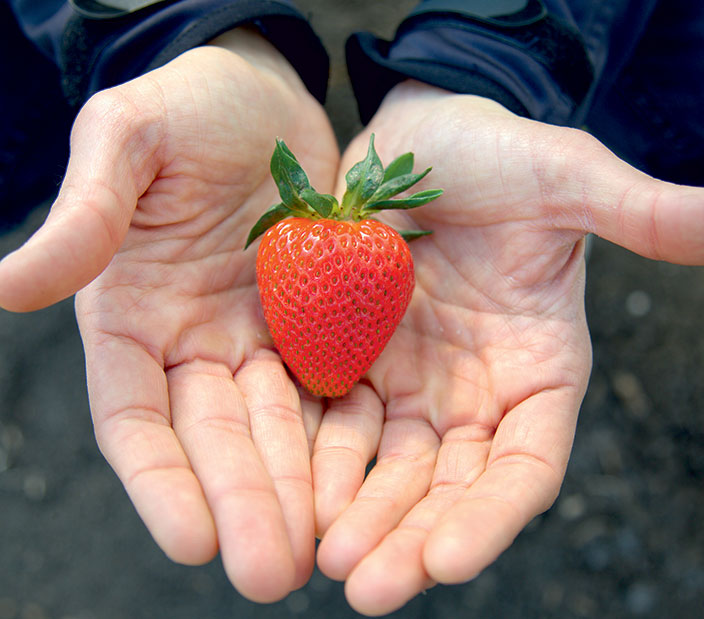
532 62
99 53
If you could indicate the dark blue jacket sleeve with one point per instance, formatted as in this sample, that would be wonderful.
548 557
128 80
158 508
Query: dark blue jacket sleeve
539 58
93 54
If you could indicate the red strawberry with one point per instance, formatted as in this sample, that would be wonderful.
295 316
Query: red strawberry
333 282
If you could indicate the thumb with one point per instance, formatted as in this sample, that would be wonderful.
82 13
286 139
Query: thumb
111 165
602 194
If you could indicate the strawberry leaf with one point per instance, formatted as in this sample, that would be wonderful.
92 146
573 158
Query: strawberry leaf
271 217
322 203
399 166
289 176
370 188
417 199
396 185
363 179
412 235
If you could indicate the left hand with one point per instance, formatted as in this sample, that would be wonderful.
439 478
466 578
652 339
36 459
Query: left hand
191 407
471 409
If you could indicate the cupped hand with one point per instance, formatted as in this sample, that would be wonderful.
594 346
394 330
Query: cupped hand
191 408
471 409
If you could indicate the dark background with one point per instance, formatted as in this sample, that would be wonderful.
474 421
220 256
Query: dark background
625 538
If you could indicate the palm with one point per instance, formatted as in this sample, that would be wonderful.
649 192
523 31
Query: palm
180 270
474 402
483 311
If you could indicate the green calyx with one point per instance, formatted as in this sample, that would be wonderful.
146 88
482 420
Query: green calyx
370 189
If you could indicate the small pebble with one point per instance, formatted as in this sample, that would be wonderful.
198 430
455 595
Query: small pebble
319 583
85 614
11 438
202 583
638 303
553 595
8 608
297 602
33 560
629 390
640 598
572 507
33 611
608 451
598 555
582 605
34 486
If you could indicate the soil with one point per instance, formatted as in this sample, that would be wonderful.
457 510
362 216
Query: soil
624 539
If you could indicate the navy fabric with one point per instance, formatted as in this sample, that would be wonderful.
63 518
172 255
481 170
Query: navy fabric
34 124
645 91
538 69
537 62
93 54
650 107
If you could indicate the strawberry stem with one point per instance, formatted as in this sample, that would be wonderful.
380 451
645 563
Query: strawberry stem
370 188
363 179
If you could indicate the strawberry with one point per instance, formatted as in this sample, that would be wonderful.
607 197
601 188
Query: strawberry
334 283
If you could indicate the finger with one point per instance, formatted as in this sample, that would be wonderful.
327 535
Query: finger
211 419
347 440
394 572
312 409
397 569
399 479
279 435
112 162
387 579
599 193
133 431
523 475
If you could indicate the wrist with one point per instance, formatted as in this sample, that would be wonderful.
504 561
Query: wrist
99 53
532 62
250 45
413 92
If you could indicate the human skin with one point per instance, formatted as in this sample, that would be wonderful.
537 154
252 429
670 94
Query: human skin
191 407
471 409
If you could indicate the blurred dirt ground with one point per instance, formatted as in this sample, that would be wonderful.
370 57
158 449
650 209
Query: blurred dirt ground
624 539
